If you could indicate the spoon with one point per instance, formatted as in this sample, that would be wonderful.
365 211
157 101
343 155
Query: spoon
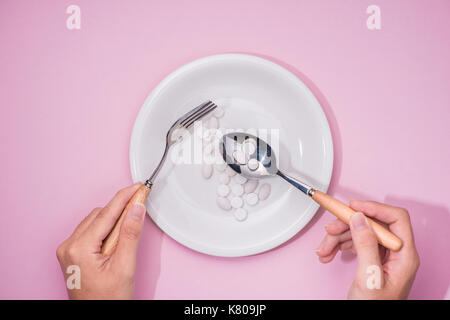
254 158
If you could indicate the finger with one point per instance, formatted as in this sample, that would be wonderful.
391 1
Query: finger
130 233
336 227
347 245
105 220
330 242
85 223
396 218
366 246
329 257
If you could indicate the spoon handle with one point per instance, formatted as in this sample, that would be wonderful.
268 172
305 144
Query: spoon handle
344 213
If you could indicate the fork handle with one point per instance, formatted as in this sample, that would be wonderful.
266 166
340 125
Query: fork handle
110 242
344 213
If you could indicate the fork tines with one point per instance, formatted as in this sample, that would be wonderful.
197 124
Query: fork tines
198 113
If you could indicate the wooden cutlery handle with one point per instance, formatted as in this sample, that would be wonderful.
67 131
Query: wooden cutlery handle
110 243
344 213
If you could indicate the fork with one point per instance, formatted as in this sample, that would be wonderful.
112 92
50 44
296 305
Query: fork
140 196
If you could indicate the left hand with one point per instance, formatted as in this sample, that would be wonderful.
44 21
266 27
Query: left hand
105 277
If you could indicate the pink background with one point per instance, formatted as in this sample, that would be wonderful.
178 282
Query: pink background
69 100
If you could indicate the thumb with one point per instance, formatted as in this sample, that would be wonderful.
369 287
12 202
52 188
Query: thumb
130 233
369 274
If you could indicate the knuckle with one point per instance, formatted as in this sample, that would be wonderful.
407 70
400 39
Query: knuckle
60 251
97 209
403 212
367 240
72 251
121 193
101 215
130 232
416 263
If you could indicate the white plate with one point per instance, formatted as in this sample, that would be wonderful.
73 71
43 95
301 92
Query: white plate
255 93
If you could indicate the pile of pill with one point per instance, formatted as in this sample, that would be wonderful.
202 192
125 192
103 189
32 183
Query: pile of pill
235 192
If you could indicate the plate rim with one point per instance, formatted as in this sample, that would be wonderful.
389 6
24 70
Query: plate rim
270 243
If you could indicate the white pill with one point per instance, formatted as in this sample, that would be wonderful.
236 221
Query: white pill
236 202
251 199
224 203
209 134
240 214
249 147
208 148
223 190
230 171
237 190
213 123
240 157
220 166
250 186
253 164
209 158
207 170
206 133
219 112
264 191
239 179
224 178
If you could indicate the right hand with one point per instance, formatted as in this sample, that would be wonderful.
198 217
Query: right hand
397 269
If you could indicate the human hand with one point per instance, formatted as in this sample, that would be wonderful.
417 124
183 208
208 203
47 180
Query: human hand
105 277
396 269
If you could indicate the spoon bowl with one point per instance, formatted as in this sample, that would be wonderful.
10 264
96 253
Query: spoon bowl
254 149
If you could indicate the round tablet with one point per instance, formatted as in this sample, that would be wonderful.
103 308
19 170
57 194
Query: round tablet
219 112
223 190
240 157
251 199
207 170
224 178
249 147
209 159
223 203
237 190
209 134
213 123
253 164
264 191
208 148
250 186
240 214
220 166
236 202
239 179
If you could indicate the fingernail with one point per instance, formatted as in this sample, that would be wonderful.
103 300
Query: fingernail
358 221
319 247
137 211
